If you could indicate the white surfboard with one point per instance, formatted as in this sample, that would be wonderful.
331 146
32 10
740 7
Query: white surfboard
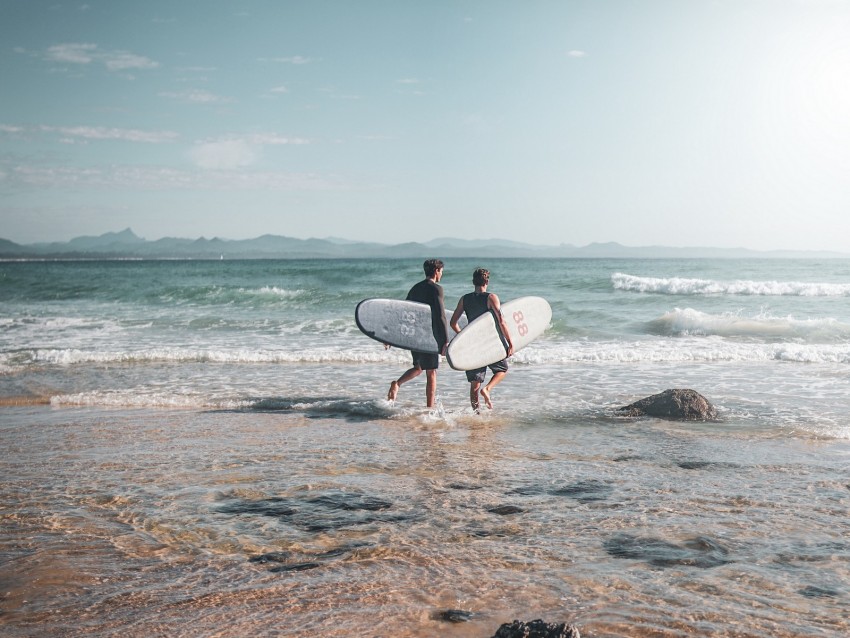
403 324
480 343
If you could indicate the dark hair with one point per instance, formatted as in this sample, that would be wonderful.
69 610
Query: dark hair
481 277
431 266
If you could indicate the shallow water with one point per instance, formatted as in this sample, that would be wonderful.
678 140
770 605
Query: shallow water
288 522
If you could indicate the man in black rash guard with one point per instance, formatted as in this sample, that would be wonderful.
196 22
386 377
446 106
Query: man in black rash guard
475 304
430 292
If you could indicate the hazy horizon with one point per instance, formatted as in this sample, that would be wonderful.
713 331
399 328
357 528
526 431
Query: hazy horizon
454 243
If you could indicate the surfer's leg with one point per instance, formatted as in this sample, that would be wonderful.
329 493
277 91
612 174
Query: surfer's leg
499 370
474 386
475 378
430 387
485 392
412 373
393 393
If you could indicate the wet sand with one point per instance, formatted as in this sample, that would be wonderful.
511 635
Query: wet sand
294 521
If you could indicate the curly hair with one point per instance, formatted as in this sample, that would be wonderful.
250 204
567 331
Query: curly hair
481 277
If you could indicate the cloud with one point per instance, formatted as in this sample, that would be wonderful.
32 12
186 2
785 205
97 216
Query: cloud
95 133
120 60
224 155
576 53
104 133
196 96
231 153
87 53
273 139
72 53
294 59
197 69
280 89
148 178
375 138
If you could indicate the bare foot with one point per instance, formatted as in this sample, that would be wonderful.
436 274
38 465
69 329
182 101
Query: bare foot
486 394
391 395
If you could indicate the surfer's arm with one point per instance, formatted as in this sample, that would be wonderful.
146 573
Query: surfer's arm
496 307
442 326
456 316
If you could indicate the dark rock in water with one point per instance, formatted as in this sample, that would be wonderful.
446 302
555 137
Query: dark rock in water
350 502
705 465
505 510
295 567
699 552
683 405
813 591
342 550
324 512
536 629
585 491
464 486
455 615
488 533
271 557
274 507
528 490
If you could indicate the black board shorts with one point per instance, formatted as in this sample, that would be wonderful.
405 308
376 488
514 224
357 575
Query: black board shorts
425 360
479 373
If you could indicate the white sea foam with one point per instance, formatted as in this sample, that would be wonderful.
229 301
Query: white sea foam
686 350
131 399
56 324
688 347
688 286
190 400
688 321
274 291
72 356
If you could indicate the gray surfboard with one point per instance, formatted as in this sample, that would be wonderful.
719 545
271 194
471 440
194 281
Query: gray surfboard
403 324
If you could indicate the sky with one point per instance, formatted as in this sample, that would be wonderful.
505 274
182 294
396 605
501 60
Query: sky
645 122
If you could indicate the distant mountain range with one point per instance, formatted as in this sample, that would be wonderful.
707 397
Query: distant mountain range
127 245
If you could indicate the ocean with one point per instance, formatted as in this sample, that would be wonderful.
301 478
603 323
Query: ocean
205 448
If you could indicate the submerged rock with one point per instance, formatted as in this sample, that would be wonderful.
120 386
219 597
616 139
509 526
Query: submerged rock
683 405
455 615
702 552
506 510
536 629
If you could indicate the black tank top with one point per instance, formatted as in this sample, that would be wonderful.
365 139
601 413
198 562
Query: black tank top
475 304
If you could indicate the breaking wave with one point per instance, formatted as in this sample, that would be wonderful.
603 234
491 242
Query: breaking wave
688 321
688 350
65 357
688 286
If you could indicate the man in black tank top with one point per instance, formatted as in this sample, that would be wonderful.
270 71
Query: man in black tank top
475 304
430 292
